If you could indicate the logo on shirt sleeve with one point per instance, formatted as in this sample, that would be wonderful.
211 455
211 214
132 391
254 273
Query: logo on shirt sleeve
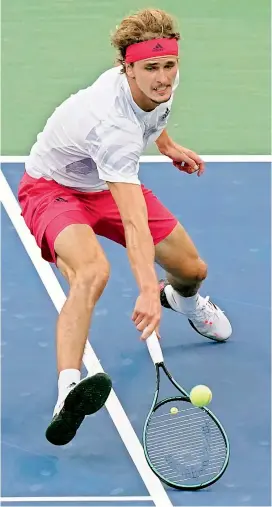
165 114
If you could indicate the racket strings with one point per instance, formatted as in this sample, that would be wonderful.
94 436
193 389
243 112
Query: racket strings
166 414
185 446
179 421
170 444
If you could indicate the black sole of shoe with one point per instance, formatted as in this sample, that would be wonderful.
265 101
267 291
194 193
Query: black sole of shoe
209 337
86 398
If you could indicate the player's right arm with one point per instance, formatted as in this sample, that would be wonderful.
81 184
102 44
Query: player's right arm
115 145
141 253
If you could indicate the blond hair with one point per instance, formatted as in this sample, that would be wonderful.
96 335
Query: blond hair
144 25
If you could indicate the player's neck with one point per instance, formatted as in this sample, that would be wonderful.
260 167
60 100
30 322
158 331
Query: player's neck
142 101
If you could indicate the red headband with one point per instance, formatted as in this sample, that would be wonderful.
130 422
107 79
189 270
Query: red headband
151 49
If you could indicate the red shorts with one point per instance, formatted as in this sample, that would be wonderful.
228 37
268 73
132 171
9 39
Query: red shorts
48 207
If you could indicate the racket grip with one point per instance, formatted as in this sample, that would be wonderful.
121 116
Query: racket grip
154 348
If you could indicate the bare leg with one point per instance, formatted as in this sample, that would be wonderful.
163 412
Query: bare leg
185 270
82 262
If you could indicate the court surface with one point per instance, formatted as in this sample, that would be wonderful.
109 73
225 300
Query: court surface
227 213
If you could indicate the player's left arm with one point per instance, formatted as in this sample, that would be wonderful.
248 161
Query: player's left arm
184 159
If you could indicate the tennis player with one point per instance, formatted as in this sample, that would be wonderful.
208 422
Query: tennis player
82 180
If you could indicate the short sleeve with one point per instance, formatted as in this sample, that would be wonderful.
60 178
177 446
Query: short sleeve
116 147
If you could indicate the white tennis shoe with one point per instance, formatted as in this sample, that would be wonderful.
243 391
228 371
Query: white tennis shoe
206 319
209 321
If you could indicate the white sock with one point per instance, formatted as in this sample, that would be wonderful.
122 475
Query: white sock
180 303
66 378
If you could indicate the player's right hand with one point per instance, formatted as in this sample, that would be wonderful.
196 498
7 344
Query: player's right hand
147 312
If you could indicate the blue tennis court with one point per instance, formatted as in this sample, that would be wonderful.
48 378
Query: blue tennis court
227 213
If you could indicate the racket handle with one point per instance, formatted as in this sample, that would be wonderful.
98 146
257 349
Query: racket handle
154 348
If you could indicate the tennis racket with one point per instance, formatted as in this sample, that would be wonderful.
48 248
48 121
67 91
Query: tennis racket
189 449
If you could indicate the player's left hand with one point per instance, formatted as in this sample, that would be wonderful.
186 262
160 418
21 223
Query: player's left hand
185 160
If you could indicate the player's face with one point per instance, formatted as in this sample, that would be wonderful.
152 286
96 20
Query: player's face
154 78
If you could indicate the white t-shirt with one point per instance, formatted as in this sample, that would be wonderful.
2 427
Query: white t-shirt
97 135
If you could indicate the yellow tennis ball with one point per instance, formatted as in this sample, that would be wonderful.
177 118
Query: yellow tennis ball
200 396
174 410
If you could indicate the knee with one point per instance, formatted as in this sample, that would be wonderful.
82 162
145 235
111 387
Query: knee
195 271
91 277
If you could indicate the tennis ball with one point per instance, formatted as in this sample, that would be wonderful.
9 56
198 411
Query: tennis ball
200 396
174 410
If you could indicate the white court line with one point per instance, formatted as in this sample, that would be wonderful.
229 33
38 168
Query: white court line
159 158
40 499
113 405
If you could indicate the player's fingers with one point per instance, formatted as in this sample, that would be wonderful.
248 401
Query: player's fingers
183 166
194 156
138 319
158 332
137 314
190 161
152 326
147 331
201 168
134 315
143 323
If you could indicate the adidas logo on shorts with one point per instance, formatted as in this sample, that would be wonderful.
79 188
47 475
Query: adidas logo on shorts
60 199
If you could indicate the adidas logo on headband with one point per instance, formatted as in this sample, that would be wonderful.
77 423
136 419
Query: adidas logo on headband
146 49
158 47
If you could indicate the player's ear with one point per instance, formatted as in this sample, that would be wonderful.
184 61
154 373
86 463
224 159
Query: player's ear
130 70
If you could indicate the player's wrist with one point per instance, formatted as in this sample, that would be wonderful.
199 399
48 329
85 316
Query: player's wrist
167 149
151 288
164 143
